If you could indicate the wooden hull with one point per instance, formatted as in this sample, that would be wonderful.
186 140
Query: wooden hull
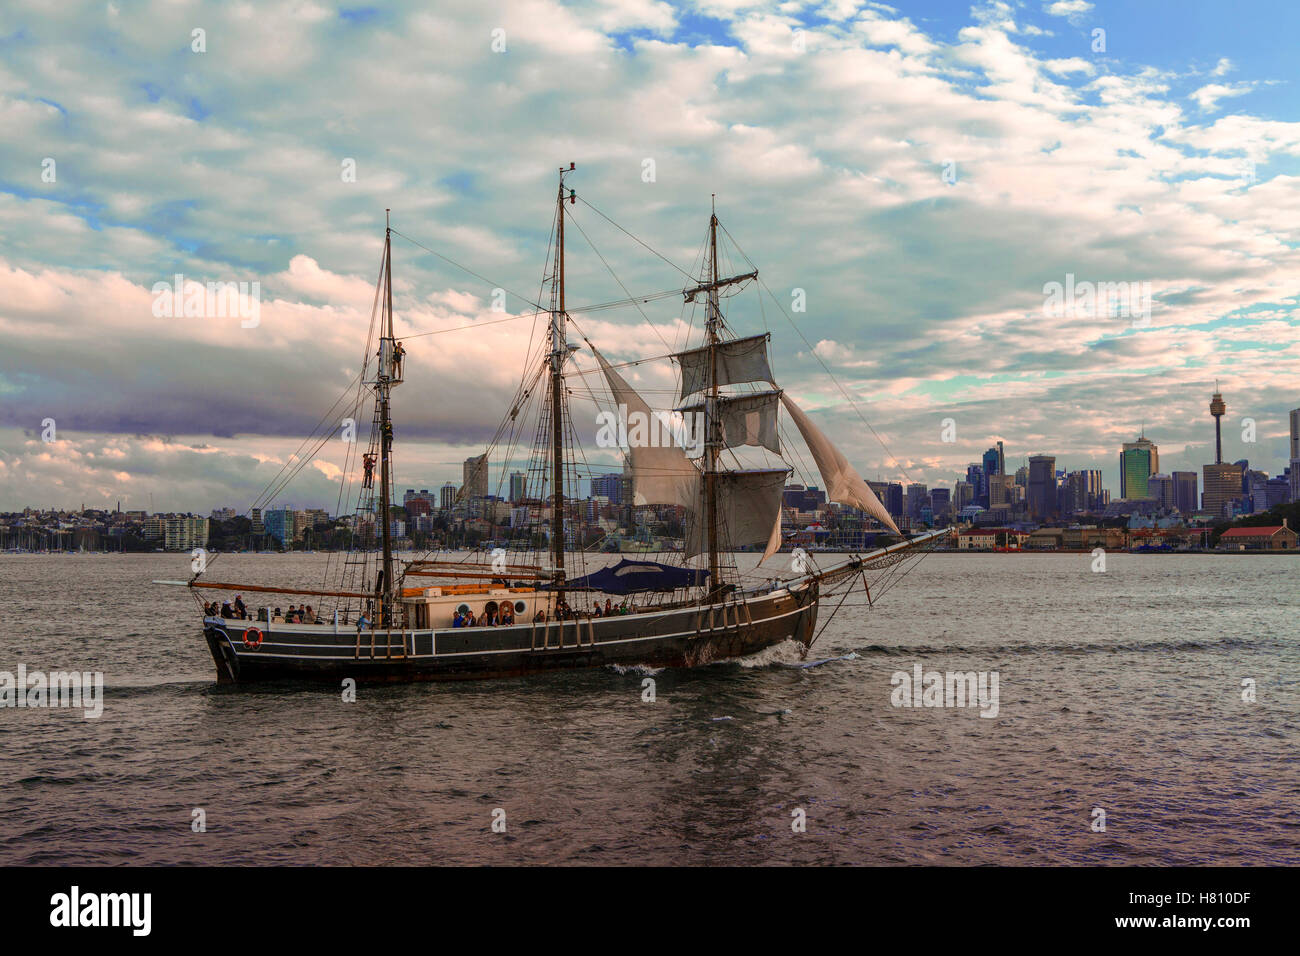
683 637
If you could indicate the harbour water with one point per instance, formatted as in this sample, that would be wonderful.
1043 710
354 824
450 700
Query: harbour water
1120 691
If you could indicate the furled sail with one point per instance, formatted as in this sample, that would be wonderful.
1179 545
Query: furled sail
748 502
746 419
843 483
739 360
661 472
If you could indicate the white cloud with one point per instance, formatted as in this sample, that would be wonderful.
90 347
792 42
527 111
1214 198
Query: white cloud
1208 96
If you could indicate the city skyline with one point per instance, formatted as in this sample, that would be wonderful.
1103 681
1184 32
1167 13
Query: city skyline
1006 152
496 480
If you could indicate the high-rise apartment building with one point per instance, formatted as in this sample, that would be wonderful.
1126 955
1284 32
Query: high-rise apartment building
475 476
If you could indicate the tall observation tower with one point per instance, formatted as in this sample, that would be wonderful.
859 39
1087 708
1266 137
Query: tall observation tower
1217 408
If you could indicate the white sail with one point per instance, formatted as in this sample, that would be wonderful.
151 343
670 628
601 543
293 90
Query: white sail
662 474
746 420
747 504
739 360
843 483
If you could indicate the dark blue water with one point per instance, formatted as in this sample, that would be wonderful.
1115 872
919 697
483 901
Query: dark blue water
1119 691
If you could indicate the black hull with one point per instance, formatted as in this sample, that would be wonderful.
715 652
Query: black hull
683 637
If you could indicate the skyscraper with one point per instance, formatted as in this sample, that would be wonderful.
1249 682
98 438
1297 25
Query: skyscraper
918 497
1042 487
475 476
1222 485
1185 485
894 499
1138 461
992 464
447 496
518 486
1160 488
940 502
609 486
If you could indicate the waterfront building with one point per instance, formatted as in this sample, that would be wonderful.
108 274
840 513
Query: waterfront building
1273 538
185 533
279 524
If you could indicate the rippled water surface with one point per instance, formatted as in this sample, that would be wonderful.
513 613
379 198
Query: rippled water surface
1120 690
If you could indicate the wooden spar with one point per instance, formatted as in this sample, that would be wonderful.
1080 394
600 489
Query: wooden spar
473 566
475 576
257 587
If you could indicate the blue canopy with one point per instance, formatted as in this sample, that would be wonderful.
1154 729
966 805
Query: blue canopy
627 577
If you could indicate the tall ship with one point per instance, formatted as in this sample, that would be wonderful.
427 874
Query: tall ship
543 599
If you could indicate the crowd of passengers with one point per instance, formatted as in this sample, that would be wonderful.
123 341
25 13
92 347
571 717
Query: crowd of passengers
503 615
297 614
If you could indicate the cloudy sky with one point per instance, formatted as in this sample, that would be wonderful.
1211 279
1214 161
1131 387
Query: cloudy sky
921 172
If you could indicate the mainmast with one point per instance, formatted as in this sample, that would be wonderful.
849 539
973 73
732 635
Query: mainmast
384 382
559 353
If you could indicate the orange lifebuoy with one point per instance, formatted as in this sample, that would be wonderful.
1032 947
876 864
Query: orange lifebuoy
249 642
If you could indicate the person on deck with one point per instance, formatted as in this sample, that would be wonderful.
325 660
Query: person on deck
240 610
309 616
226 610
609 607
507 614
457 620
